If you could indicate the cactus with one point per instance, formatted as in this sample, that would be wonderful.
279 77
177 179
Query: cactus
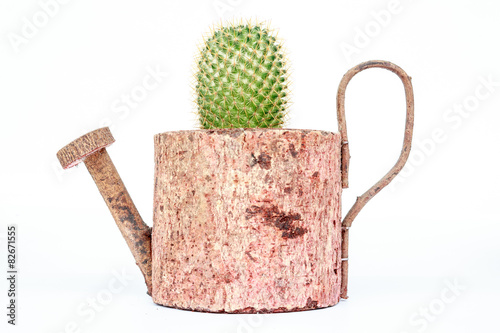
241 79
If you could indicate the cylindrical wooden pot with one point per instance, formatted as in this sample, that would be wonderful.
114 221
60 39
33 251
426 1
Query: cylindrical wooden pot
247 220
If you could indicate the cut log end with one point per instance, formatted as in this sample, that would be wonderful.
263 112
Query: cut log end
86 145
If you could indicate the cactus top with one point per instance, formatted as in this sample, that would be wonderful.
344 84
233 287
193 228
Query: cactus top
241 80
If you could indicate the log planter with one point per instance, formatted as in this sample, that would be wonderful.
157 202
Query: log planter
245 220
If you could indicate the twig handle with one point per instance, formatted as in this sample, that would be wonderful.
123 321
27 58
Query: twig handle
405 152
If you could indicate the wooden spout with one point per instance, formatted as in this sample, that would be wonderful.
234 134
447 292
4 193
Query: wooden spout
91 148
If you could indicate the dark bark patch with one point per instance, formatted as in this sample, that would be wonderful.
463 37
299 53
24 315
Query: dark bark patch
128 217
311 304
120 197
263 160
253 210
141 247
294 233
288 224
292 150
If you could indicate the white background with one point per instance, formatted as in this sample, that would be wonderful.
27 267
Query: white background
436 226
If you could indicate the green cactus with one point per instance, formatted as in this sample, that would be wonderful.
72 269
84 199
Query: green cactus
241 79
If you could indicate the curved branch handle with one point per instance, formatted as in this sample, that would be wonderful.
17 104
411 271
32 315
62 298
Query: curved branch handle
405 152
345 156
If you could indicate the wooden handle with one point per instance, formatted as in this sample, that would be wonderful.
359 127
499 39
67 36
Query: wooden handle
405 152
385 180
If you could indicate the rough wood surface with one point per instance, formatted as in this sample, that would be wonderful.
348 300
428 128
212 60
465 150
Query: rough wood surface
137 234
247 221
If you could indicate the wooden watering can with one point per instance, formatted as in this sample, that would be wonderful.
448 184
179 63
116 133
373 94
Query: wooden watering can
245 220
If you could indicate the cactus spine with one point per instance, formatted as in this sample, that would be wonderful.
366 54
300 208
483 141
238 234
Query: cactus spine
241 79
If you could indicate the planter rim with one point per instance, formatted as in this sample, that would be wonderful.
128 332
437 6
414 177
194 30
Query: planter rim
244 130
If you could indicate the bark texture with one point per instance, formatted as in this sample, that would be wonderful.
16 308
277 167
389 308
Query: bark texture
247 220
136 233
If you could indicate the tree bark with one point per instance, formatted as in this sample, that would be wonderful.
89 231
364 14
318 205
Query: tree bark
247 221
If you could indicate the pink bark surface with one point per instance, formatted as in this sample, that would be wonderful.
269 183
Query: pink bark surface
247 220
